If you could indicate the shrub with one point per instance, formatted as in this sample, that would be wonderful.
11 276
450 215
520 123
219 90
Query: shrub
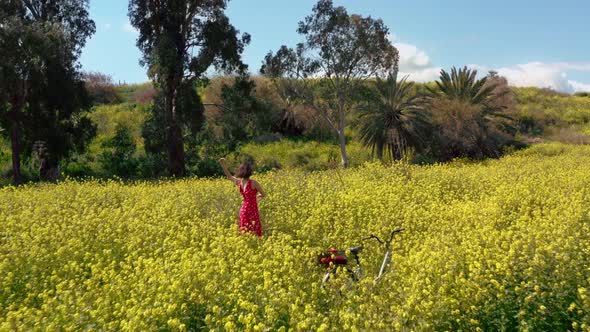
79 170
101 89
207 168
152 166
119 156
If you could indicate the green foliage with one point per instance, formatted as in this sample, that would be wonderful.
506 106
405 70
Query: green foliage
554 116
130 92
108 117
152 166
552 109
118 158
180 40
206 167
243 116
190 117
80 170
462 85
41 42
343 51
395 120
309 156
470 121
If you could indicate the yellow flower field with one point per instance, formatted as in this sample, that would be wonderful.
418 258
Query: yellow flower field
498 245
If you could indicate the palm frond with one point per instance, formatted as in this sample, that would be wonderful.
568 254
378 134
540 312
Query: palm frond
396 121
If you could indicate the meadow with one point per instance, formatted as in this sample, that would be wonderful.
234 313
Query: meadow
494 246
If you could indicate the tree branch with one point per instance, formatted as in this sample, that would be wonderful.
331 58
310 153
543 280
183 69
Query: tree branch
31 7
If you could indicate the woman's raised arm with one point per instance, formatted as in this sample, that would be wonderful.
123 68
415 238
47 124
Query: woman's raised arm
226 171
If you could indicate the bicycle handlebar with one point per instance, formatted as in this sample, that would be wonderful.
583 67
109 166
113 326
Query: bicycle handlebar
373 236
393 233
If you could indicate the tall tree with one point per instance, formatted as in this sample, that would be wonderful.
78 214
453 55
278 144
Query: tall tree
340 51
470 114
180 40
40 42
395 119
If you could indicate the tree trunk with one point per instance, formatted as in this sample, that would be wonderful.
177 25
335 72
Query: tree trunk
48 171
176 159
342 138
16 149
176 151
15 133
343 148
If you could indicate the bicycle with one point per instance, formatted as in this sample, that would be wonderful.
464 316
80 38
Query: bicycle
334 259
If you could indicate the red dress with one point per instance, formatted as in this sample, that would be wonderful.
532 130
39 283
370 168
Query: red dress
249 217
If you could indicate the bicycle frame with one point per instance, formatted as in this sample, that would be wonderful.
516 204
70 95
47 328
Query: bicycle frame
387 254
342 260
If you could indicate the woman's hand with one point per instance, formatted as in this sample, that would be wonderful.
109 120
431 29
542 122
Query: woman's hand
226 171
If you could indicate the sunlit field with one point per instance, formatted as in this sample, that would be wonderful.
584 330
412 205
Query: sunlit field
497 245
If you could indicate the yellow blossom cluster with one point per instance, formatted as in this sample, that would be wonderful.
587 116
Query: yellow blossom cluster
496 245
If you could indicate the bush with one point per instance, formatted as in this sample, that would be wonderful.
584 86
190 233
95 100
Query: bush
310 156
423 159
145 96
268 138
464 130
152 166
207 168
528 124
118 158
79 170
267 164
549 109
101 89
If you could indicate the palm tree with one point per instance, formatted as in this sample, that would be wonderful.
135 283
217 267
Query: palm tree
461 85
395 121
461 102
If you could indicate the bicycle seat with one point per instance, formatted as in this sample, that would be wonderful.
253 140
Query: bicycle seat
355 250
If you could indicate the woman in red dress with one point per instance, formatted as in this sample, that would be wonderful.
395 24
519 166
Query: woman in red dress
252 192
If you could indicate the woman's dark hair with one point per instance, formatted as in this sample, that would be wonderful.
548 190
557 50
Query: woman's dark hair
244 171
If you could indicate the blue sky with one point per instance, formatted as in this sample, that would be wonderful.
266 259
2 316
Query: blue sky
533 43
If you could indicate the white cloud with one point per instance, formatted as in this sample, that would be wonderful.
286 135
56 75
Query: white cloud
545 75
414 62
542 75
417 64
480 69
573 66
411 58
424 75
580 87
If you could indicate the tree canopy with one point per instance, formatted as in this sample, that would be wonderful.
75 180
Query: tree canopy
40 42
339 52
180 40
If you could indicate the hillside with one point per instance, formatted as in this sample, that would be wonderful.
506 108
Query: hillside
539 115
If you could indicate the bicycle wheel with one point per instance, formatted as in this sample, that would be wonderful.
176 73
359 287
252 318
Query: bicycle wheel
340 279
